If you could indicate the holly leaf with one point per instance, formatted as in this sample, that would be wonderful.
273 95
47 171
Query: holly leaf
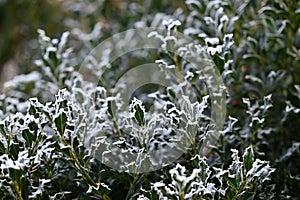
139 115
248 158
61 122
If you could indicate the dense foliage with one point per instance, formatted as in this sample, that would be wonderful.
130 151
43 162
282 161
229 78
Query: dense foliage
55 119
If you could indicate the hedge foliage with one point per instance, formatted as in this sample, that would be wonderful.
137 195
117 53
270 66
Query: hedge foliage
48 115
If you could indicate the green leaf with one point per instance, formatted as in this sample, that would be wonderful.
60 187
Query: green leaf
29 137
31 110
139 115
248 158
2 130
171 93
2 148
231 181
63 104
33 126
229 194
54 59
219 61
15 174
61 122
111 105
14 149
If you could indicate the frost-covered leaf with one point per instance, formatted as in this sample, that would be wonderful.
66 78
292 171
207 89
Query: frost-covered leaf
248 158
61 122
138 111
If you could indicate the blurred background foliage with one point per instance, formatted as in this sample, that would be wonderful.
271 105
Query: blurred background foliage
20 19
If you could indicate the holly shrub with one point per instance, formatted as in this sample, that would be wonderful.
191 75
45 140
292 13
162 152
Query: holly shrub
58 127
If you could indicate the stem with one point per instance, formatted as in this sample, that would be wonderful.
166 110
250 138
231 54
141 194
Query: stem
132 184
82 169
17 188
177 64
74 157
85 174
181 196
253 136
105 197
242 187
34 145
116 126
179 73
